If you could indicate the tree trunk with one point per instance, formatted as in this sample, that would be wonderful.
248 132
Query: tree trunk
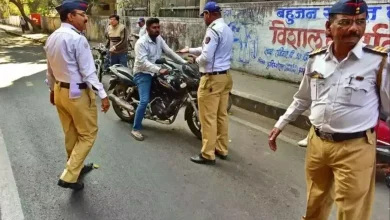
19 5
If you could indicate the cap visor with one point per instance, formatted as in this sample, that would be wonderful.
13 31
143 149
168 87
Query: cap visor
58 8
201 15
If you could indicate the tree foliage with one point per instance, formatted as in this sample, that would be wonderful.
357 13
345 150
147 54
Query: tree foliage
43 7
26 7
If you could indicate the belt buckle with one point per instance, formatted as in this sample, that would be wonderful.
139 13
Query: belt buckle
326 136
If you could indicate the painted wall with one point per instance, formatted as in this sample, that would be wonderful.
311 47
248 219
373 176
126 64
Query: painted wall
271 40
177 32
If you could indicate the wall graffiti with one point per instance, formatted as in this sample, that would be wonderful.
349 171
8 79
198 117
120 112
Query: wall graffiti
315 38
297 13
246 40
279 43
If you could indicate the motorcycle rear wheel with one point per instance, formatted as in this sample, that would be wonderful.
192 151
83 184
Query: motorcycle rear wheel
192 121
119 111
387 179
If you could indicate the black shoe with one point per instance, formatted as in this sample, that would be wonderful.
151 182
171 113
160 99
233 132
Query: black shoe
86 169
75 186
221 156
201 160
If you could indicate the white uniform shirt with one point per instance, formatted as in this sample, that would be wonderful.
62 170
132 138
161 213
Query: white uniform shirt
69 59
217 48
343 95
147 52
142 31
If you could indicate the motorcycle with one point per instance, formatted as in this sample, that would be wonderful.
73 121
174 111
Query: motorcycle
383 148
100 60
169 93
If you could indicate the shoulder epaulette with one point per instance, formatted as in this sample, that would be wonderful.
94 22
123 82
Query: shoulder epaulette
318 51
383 51
213 30
76 31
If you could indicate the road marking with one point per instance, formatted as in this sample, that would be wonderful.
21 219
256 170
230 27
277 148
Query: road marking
11 208
264 130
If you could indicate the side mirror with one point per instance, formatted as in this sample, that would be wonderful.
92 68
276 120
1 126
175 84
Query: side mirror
160 61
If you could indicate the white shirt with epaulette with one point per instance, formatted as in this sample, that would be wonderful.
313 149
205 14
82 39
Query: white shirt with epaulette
216 52
343 96
69 59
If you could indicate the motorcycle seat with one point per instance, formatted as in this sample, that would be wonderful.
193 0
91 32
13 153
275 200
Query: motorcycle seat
126 72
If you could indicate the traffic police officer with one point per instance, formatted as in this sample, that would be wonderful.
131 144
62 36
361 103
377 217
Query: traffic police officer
215 84
71 76
345 83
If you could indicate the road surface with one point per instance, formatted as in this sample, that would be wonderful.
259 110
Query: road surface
146 180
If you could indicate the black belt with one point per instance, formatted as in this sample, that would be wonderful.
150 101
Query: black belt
214 73
337 137
67 85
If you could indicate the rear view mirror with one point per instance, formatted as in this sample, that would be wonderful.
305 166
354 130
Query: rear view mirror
160 61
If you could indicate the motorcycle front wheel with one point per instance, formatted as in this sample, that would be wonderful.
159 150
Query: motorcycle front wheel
99 70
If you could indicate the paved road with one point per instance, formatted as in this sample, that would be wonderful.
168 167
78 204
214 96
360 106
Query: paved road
153 179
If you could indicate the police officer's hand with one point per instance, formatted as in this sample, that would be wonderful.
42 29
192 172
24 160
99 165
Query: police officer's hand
105 105
192 57
184 50
52 97
163 71
272 138
190 60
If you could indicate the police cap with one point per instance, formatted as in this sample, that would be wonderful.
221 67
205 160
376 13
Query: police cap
210 7
69 5
349 7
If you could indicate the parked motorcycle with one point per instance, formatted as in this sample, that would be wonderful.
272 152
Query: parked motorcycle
169 93
100 60
196 69
383 148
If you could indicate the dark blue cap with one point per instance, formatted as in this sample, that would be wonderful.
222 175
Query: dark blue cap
349 7
211 7
141 20
69 5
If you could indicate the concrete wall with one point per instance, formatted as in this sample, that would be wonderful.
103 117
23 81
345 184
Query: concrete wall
99 10
273 40
178 32
14 21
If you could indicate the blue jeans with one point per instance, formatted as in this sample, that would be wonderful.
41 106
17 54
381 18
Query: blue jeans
119 59
144 82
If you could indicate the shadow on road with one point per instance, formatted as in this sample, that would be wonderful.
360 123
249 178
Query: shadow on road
20 50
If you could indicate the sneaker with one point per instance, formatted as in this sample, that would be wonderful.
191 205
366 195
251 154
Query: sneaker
303 143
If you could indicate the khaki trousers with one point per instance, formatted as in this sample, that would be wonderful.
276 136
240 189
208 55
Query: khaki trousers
213 98
79 122
342 172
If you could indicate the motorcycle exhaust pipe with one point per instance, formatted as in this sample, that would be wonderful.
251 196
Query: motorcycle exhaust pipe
121 102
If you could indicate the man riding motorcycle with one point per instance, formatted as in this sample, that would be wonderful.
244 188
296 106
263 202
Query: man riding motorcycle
147 50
